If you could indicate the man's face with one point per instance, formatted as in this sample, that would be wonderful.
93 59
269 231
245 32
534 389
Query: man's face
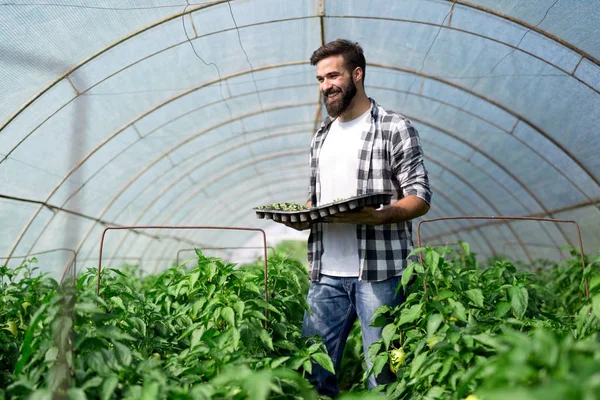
336 84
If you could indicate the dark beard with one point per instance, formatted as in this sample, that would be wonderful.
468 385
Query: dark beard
338 107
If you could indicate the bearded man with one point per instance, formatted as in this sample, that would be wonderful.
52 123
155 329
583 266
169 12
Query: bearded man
357 258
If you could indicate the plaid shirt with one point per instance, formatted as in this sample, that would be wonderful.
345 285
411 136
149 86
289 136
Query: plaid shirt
391 160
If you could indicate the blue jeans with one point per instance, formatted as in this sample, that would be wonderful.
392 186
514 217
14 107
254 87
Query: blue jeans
335 303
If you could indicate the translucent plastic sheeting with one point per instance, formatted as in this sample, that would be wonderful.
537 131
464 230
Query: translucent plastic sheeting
154 113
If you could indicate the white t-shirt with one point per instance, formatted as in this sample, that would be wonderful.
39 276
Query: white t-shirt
338 171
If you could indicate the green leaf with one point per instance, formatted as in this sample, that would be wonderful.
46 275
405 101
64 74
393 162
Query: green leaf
476 296
324 361
307 365
432 261
373 350
109 386
501 309
91 383
459 310
123 353
596 305
87 308
266 339
436 392
76 394
407 274
410 315
279 361
228 315
258 385
417 363
239 307
445 294
379 362
235 333
416 251
465 246
150 390
117 302
519 299
26 347
433 323
387 334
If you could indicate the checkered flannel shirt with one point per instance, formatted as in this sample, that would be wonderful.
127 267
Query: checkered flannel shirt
391 160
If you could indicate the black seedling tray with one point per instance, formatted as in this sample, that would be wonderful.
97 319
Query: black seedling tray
317 213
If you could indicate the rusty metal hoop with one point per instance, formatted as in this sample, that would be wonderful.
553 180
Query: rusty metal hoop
230 228
491 217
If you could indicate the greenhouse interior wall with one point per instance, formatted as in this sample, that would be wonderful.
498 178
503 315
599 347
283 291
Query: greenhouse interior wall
171 113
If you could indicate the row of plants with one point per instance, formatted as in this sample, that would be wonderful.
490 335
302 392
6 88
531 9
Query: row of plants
492 333
206 332
187 333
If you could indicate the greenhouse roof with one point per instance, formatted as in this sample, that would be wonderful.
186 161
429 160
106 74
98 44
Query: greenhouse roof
168 112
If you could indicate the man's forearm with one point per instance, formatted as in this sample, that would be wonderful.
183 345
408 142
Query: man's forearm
405 209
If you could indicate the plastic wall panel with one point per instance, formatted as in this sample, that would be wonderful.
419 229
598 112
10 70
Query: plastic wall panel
530 199
589 221
576 22
429 11
63 36
13 216
34 115
589 73
129 52
159 204
559 160
124 204
101 169
545 99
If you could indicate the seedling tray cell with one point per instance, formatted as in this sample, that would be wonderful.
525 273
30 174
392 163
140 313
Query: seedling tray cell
291 212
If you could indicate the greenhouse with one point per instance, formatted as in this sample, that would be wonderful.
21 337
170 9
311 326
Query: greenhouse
169 121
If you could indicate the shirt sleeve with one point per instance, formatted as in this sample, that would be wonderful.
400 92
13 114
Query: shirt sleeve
407 162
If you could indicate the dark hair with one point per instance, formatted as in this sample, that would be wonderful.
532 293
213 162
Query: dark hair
350 51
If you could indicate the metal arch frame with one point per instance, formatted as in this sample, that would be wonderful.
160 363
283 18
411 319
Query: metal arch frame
271 156
321 15
115 134
388 67
322 29
376 65
120 130
209 104
190 227
491 177
297 63
535 152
